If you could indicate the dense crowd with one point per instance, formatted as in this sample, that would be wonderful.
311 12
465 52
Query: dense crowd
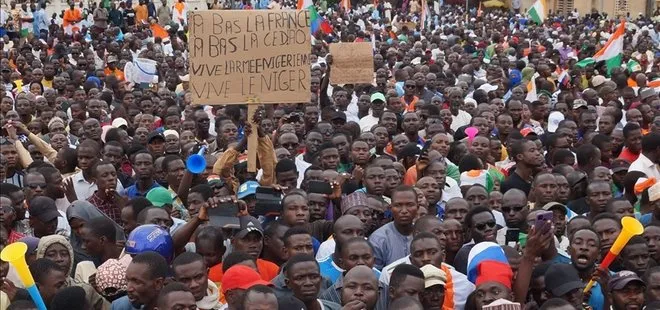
487 166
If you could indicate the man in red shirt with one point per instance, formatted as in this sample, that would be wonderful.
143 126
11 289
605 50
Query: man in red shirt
632 142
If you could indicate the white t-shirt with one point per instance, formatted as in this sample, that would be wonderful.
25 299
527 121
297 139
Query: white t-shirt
26 25
463 118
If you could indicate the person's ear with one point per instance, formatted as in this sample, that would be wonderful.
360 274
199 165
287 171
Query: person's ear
159 283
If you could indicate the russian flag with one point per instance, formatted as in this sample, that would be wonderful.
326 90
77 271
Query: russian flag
487 262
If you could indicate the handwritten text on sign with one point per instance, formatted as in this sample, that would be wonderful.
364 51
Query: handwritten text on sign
237 55
352 63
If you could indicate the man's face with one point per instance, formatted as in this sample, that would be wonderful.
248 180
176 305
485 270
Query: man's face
515 110
598 196
410 123
409 286
304 280
143 165
607 229
514 208
251 244
404 207
51 284
545 189
433 297
194 276
389 120
92 243
329 158
477 196
531 155
299 244
356 254
362 286
630 297
427 251
584 249
341 142
635 257
652 236
106 178
175 171
430 188
588 122
490 291
141 287
634 141
605 124
87 157
295 211
483 227
35 185
178 300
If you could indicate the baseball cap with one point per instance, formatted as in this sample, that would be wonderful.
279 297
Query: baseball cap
555 205
377 96
155 135
43 208
112 59
646 93
241 277
433 276
170 132
554 119
619 165
597 80
118 122
488 87
159 196
32 244
248 224
579 103
561 279
622 278
339 115
246 189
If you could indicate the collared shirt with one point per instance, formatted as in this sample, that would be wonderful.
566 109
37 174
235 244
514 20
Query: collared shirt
333 293
85 189
133 191
109 208
644 164
389 245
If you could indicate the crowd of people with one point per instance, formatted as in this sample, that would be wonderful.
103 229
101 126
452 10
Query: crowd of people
489 163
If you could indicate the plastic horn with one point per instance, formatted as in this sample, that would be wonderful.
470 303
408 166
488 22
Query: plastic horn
196 162
471 132
630 227
14 254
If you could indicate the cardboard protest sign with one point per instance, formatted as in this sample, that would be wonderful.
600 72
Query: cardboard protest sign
243 54
352 63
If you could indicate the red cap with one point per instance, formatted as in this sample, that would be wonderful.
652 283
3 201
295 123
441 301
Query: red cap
241 277
494 271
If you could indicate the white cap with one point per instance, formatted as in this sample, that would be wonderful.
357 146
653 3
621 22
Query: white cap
118 122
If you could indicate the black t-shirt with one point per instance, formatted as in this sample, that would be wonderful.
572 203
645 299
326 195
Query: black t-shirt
129 16
515 181
579 205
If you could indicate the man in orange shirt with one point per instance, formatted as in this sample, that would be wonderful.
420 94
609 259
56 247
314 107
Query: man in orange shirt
112 69
141 13
71 18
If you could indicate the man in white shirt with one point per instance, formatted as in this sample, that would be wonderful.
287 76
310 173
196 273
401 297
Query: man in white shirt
26 20
647 162
377 108
458 117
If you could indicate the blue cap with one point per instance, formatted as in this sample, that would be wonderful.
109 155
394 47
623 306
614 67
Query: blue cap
248 188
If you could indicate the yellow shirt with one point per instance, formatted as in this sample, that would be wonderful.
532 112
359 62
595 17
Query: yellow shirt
47 83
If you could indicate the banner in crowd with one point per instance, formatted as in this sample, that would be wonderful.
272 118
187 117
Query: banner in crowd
240 55
352 63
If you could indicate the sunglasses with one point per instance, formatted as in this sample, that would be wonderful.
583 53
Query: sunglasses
37 185
508 209
482 226
289 145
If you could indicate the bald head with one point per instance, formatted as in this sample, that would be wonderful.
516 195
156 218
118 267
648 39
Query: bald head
346 227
